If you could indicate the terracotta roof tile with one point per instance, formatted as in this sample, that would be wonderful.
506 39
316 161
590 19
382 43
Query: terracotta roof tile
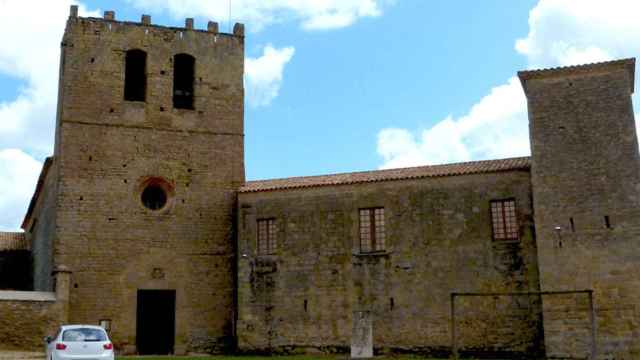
13 241
466 168
628 64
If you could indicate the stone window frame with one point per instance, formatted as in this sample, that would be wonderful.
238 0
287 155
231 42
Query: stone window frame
167 186
266 236
504 219
372 230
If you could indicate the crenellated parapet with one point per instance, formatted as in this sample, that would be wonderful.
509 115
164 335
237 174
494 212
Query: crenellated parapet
145 20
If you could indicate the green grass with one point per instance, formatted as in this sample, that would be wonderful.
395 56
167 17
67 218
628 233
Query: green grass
292 357
219 357
239 357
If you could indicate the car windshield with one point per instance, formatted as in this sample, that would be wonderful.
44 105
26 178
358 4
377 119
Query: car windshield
84 334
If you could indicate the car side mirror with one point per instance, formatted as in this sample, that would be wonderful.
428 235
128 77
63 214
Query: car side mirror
48 339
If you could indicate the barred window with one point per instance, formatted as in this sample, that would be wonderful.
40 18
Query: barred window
267 236
504 219
372 233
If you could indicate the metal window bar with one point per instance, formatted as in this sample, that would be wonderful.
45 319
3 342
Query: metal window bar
504 220
592 313
271 236
372 230
267 236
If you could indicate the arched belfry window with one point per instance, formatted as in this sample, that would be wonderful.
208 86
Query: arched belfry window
135 75
183 76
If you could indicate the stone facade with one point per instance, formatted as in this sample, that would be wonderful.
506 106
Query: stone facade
438 240
108 149
26 317
149 194
40 227
586 179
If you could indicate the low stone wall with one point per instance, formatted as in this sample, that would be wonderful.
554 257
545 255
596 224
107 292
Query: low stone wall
26 317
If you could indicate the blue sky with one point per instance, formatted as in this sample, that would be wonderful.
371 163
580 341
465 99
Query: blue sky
337 85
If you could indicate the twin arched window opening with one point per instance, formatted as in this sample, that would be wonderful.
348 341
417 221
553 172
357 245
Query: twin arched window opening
135 78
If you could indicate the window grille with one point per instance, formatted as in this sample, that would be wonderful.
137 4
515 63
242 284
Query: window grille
372 231
267 244
504 219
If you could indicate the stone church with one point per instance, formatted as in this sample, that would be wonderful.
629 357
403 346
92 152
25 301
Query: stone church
142 220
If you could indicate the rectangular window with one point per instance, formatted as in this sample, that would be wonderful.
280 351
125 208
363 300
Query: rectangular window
372 233
504 219
267 236
135 75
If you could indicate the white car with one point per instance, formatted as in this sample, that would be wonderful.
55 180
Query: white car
79 342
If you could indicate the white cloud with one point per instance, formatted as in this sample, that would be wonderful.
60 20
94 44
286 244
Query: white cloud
18 177
565 32
311 14
561 33
30 35
263 75
495 127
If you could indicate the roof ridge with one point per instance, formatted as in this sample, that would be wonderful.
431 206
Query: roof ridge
393 169
415 172
525 74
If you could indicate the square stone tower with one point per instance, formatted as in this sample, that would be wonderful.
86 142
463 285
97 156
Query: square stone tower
148 157
586 190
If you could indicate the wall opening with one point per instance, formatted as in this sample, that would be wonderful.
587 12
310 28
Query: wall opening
573 225
156 321
607 222
155 193
183 76
154 197
135 75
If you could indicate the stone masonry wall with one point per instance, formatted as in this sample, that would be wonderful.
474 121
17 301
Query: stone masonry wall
108 148
439 240
40 229
26 317
586 177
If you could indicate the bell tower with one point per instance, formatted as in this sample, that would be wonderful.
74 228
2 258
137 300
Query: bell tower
149 152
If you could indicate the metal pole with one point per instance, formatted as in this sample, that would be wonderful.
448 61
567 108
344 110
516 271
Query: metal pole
592 319
454 342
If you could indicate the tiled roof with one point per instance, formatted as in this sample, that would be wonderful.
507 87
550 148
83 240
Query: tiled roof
466 168
629 64
13 241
